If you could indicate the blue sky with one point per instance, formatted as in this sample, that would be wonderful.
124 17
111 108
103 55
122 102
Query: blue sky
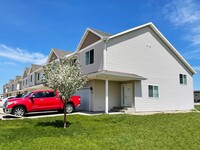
30 28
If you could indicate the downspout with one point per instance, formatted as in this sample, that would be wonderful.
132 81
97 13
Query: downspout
104 53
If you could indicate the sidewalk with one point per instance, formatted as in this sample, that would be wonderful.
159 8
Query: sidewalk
1 112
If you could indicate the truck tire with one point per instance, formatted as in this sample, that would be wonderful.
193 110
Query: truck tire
69 108
19 111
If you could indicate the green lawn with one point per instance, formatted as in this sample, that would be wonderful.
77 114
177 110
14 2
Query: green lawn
159 131
197 107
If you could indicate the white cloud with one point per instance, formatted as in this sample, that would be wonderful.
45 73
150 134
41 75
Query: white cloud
193 54
193 38
10 63
186 14
22 56
181 12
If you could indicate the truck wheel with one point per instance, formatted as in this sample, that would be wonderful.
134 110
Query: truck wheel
19 111
69 108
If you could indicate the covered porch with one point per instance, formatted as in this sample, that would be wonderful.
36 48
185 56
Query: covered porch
113 89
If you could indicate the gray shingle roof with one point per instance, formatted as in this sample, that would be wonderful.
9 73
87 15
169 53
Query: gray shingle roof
104 34
17 78
61 53
35 67
11 80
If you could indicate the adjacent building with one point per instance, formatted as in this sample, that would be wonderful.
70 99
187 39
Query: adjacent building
196 96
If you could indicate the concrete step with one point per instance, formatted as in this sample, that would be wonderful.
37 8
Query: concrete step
130 110
123 109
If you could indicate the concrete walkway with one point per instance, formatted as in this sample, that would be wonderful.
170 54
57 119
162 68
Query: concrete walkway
4 116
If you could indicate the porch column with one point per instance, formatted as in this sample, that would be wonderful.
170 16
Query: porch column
106 96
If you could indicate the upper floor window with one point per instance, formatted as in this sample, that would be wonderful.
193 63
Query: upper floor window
26 82
31 78
89 57
23 82
183 79
153 91
38 76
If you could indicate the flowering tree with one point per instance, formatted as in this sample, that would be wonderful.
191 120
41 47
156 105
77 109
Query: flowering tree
65 77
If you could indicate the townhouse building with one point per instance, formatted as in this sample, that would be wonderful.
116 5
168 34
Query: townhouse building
137 69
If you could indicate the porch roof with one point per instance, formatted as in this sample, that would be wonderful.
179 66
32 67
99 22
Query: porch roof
114 76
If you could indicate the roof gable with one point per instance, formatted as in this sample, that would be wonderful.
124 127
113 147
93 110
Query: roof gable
33 68
61 53
52 56
17 78
56 54
30 70
91 36
159 34
25 73
90 39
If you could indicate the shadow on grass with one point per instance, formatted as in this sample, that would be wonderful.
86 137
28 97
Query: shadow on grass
56 123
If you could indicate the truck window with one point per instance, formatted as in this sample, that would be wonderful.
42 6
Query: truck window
38 95
50 94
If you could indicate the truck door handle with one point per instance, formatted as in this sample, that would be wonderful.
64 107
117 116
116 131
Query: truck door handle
41 99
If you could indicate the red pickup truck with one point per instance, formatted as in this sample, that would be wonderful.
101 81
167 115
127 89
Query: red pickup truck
39 100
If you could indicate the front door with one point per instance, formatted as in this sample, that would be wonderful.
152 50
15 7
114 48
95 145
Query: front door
127 95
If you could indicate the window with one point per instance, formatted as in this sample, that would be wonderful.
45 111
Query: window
50 94
89 57
26 81
38 76
74 61
38 95
183 79
153 91
31 78
23 82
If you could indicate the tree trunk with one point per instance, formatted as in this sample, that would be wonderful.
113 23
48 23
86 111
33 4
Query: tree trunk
65 115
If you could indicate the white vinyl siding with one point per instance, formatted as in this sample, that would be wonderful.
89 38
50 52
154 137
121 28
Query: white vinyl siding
39 75
131 53
97 65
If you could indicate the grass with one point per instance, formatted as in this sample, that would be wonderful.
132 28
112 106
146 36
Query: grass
159 131
197 107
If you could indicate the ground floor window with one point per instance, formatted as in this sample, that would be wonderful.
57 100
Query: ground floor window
153 91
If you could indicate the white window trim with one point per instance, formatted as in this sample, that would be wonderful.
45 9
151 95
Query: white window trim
186 80
89 57
38 73
158 91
